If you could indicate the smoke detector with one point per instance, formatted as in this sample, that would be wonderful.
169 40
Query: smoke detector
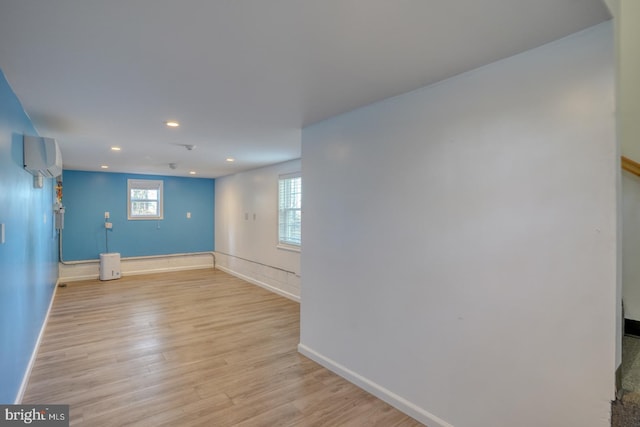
189 147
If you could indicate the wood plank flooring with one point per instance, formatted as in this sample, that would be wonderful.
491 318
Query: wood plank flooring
192 348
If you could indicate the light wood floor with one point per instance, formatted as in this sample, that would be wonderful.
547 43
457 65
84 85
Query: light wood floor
194 348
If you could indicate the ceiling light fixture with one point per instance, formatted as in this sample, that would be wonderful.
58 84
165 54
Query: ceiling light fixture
104 167
192 172
114 148
172 123
230 159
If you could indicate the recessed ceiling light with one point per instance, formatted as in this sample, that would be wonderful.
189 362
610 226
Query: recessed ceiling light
172 123
230 159
114 148
104 167
192 172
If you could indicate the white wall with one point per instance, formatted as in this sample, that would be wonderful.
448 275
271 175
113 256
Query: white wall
628 71
246 230
627 16
631 245
627 39
460 242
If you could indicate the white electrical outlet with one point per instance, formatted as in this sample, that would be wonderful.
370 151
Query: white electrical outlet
108 225
188 215
106 215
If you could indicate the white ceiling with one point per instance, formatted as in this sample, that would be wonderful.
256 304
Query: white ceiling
243 76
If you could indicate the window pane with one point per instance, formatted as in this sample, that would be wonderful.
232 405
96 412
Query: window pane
145 199
142 194
144 208
289 212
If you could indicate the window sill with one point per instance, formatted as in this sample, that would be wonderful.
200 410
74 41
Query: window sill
144 218
290 248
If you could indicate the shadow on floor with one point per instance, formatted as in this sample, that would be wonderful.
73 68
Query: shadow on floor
625 412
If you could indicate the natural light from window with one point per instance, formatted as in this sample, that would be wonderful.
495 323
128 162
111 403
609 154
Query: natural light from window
144 199
290 211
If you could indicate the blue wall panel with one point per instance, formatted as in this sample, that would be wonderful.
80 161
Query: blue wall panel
28 258
88 195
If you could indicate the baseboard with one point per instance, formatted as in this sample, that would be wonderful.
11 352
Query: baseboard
632 327
131 267
34 353
380 392
79 278
137 272
166 270
259 283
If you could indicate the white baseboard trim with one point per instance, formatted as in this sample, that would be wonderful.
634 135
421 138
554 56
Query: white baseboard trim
136 272
34 353
259 283
377 390
73 272
167 269
79 278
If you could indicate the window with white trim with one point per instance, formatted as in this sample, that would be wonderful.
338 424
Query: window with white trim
144 199
290 210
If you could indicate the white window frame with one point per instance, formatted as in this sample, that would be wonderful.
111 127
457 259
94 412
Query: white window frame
145 184
283 241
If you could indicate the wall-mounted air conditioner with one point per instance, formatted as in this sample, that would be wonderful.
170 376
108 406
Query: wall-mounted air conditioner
42 156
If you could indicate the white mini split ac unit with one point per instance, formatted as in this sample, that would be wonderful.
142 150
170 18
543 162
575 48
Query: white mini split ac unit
42 157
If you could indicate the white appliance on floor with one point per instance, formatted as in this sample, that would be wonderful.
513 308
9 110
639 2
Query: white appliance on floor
109 266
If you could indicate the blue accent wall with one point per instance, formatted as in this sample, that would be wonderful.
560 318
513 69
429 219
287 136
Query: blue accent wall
88 195
28 258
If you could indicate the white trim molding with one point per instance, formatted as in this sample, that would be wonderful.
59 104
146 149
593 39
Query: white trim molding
36 347
70 271
282 282
264 285
377 390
